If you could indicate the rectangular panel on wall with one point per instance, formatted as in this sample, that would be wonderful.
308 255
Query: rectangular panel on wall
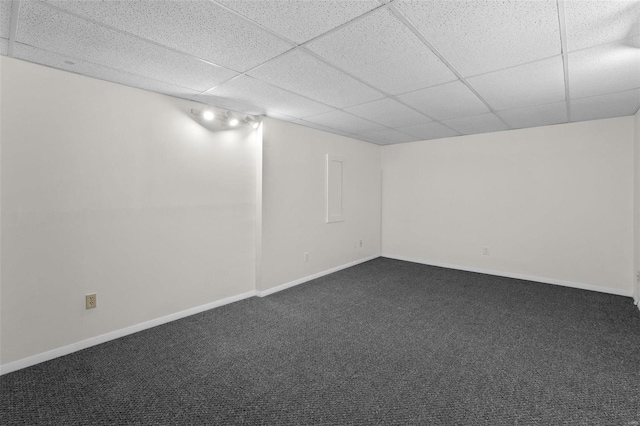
335 172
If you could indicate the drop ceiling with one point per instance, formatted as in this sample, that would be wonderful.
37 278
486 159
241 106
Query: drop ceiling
380 71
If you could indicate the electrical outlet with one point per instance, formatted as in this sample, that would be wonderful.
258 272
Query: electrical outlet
637 275
360 243
91 301
306 256
485 251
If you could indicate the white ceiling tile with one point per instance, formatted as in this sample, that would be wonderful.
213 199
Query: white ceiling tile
594 22
344 122
302 73
387 137
449 100
58 32
389 113
4 46
382 51
476 124
605 106
429 131
611 68
5 18
33 54
249 91
540 115
319 127
200 28
300 20
479 36
536 83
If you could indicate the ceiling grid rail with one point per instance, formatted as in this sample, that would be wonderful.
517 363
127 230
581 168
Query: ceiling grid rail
128 34
386 94
239 74
303 47
276 95
13 29
293 44
444 60
565 55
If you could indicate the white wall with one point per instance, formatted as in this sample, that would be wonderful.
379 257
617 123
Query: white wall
551 202
1 62
636 215
118 191
293 209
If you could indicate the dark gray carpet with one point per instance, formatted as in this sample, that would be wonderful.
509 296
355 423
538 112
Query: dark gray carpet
385 342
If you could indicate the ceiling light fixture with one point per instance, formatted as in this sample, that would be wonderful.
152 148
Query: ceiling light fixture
208 115
224 120
231 120
252 121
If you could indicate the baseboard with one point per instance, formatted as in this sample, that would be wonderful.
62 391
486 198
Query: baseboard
517 276
294 283
74 347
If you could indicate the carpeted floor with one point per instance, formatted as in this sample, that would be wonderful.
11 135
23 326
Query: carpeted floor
385 342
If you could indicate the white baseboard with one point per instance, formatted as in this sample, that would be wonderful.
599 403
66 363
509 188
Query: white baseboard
564 283
74 347
293 283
